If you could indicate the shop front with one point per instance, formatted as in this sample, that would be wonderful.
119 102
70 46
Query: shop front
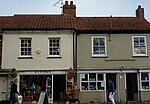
52 82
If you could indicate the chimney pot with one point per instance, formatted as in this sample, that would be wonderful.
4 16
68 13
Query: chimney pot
66 2
71 2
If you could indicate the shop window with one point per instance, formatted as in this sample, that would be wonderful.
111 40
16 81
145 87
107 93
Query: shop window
145 82
92 81
31 86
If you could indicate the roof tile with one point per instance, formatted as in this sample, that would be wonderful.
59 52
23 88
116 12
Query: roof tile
53 22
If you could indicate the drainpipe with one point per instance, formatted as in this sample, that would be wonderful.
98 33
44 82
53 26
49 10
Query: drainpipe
75 54
139 91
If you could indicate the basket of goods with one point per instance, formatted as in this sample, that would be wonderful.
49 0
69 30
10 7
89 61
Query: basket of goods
71 73
13 73
75 91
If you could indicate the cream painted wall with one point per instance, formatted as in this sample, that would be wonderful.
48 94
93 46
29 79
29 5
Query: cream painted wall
11 46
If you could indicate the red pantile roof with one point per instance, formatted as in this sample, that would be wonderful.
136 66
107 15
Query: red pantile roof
113 23
3 21
42 22
53 22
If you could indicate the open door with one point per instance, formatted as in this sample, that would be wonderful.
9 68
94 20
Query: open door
113 77
59 88
132 87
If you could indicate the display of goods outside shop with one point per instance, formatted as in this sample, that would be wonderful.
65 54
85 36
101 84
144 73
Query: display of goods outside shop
13 73
76 93
71 73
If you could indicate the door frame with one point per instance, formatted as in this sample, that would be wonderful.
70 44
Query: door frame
132 87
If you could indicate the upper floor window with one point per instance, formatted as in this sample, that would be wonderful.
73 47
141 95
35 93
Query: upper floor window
139 46
99 46
92 81
54 46
25 47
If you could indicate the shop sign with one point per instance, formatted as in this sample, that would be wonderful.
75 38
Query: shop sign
42 71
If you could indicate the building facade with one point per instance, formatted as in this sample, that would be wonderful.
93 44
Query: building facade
116 48
41 48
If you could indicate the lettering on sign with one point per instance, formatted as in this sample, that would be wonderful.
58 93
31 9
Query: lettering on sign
42 71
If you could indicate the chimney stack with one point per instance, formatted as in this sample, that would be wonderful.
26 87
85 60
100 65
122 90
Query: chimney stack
69 10
140 12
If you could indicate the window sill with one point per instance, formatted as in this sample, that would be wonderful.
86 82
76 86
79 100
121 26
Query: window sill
145 90
119 59
140 56
25 57
99 56
49 57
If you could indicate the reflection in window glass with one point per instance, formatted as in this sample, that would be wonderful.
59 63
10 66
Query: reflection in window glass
84 77
99 46
92 76
139 45
84 86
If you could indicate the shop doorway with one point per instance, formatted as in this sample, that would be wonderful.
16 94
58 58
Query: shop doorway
111 76
132 87
59 87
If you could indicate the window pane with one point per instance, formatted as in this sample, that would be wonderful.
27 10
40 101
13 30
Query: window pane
100 85
144 76
92 77
145 85
92 86
84 85
142 41
100 77
84 77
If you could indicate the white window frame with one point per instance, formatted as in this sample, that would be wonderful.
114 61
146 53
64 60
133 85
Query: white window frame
88 81
58 47
146 80
133 46
99 55
25 38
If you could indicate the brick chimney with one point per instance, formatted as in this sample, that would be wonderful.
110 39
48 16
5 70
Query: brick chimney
140 12
69 10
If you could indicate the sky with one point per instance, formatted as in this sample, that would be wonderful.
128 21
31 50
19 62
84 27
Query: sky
84 8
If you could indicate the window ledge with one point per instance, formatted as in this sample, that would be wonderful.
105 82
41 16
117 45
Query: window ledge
25 57
49 57
99 56
140 56
146 90
120 59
